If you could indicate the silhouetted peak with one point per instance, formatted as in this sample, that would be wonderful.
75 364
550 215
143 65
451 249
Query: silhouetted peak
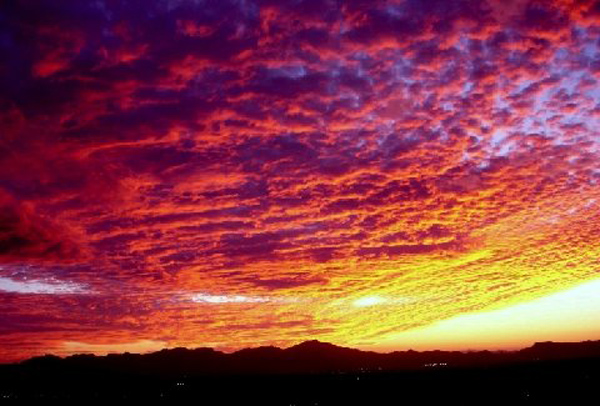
83 356
175 350
313 345
259 351
47 359
562 350
544 345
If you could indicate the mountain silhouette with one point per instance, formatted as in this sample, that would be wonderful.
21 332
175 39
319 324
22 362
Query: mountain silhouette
309 357
313 373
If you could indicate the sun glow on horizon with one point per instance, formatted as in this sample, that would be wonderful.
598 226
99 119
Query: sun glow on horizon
568 315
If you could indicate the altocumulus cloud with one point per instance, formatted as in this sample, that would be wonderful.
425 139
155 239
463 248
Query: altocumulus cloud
248 152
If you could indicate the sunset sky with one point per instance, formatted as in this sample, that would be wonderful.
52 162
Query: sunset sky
234 173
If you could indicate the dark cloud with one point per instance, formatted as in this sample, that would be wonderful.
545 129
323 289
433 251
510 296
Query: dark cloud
25 236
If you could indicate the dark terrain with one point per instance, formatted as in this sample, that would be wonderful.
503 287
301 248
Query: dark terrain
313 373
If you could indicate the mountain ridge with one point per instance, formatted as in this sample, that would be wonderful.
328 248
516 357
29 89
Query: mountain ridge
310 356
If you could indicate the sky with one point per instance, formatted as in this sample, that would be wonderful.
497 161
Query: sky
235 173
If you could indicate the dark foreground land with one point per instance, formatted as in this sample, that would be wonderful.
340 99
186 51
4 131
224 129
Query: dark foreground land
313 373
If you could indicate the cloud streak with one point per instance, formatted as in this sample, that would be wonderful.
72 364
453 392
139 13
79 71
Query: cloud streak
45 287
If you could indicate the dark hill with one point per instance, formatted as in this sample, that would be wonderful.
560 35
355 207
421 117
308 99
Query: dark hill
307 357
312 373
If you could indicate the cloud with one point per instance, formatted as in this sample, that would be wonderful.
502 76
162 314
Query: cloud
369 301
27 236
242 299
323 150
41 287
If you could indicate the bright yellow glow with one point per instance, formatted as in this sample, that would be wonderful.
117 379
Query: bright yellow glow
369 301
141 346
565 316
